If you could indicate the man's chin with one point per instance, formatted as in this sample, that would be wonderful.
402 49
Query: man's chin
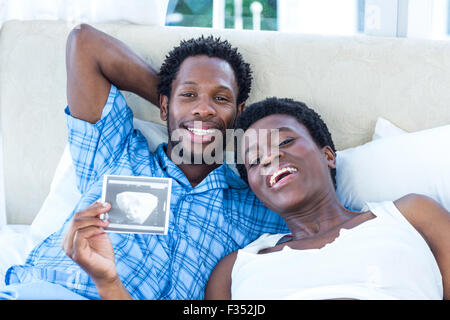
197 153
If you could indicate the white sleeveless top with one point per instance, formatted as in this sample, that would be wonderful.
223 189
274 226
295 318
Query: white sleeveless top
382 258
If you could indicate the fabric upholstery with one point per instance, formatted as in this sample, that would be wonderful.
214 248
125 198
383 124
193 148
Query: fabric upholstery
350 81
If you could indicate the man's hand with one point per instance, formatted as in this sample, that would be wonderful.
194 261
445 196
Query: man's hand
86 243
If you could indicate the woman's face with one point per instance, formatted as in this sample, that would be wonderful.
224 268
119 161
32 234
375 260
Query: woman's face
285 167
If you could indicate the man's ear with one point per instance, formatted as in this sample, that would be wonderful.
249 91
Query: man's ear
330 156
240 108
163 107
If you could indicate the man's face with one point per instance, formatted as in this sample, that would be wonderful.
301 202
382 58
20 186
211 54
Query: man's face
203 104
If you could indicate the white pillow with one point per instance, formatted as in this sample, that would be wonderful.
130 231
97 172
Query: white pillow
16 244
2 186
384 129
64 195
389 168
153 132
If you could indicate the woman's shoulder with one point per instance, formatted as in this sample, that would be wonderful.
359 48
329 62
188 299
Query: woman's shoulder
432 221
425 214
417 207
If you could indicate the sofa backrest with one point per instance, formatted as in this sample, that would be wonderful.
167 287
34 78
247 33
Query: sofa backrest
350 81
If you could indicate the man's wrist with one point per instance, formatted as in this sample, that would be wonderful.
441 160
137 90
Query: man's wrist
112 289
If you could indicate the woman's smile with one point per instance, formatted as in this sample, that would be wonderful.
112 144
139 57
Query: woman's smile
281 177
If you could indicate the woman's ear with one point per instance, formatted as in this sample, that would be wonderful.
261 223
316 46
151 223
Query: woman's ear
163 107
330 157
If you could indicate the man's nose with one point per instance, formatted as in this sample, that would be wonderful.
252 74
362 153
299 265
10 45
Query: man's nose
204 108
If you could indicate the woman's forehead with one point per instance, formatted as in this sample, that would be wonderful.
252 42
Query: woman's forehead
275 121
276 124
269 128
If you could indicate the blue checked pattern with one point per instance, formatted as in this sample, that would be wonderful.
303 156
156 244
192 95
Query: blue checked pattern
207 222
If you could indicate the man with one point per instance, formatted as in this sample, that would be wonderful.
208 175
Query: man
201 88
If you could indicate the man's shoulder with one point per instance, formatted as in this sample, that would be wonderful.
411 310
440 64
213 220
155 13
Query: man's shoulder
245 201
233 179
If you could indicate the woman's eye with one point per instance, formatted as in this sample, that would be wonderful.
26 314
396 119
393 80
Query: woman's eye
253 163
286 141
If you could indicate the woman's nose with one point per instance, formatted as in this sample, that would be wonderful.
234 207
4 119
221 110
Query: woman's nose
271 158
270 161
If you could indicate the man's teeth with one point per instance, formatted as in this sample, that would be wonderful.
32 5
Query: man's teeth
280 171
201 132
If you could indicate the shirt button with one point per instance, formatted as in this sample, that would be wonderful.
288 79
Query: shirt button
189 198
182 228
175 267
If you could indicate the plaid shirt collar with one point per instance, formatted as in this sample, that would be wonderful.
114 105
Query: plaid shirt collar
222 177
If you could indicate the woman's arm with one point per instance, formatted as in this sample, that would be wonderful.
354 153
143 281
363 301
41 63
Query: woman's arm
432 221
219 284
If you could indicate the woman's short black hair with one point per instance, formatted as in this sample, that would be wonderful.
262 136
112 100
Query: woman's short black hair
304 115
212 47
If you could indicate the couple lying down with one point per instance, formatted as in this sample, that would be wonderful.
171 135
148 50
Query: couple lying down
288 239
392 250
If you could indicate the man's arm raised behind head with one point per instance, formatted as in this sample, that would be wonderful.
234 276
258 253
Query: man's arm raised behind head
94 60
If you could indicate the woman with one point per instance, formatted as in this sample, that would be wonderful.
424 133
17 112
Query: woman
392 250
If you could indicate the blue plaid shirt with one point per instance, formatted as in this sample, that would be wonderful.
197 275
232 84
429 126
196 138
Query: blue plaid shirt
218 216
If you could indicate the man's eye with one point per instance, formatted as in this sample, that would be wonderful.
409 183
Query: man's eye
187 94
286 141
219 98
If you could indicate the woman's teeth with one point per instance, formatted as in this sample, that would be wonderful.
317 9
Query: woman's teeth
201 132
276 174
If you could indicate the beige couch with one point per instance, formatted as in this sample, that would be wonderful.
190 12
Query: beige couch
351 81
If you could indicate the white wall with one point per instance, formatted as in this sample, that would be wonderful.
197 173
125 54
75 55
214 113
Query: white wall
318 16
152 12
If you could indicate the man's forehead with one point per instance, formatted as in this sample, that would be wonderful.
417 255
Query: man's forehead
204 63
200 67
223 85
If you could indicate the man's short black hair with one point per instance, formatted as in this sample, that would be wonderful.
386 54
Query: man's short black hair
304 115
212 47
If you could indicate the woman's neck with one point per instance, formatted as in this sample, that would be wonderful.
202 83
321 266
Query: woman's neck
318 216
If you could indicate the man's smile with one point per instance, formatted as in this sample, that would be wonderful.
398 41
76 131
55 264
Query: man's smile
201 131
